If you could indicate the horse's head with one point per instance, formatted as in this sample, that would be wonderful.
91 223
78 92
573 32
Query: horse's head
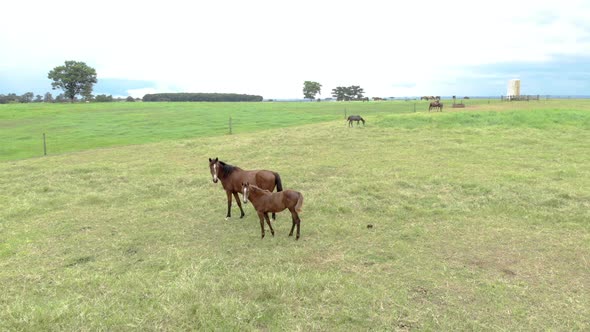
245 191
214 168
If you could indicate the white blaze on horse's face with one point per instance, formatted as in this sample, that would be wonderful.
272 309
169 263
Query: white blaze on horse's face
215 173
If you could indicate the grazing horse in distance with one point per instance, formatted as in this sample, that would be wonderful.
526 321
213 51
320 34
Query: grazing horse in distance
265 201
435 105
232 178
356 118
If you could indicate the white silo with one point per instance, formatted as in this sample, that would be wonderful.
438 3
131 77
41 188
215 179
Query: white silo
513 88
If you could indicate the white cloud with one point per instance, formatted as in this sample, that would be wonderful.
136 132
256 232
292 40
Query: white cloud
270 47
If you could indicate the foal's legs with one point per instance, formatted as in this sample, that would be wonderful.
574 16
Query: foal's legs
293 226
272 231
298 225
296 221
261 216
239 205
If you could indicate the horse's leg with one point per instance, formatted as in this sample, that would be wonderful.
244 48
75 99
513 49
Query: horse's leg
239 205
298 225
272 231
261 216
228 205
292 218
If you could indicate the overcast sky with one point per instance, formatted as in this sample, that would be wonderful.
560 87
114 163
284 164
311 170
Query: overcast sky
269 48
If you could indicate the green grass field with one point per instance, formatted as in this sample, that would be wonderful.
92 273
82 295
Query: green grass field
480 218
75 127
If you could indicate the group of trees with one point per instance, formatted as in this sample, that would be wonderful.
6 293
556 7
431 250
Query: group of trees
354 92
76 78
30 97
346 93
231 97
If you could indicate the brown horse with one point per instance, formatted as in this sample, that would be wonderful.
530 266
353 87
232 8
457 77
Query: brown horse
435 105
356 118
264 202
232 178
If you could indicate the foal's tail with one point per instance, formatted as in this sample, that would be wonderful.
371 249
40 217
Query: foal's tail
299 203
278 182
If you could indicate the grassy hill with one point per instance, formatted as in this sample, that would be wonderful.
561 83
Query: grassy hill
480 222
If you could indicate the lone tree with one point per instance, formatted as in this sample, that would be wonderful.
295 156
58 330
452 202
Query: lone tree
310 89
74 78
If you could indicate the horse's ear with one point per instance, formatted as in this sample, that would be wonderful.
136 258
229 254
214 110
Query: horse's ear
209 159
216 159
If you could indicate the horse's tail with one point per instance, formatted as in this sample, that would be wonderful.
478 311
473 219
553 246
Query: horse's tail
278 182
299 203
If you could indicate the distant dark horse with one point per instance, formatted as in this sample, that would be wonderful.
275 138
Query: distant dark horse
356 118
264 202
232 178
435 105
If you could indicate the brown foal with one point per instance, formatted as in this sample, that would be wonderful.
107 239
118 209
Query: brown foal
265 201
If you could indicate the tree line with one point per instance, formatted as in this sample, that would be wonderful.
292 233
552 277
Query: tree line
76 78
29 97
215 97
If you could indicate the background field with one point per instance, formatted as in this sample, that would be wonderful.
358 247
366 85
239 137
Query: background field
75 127
480 220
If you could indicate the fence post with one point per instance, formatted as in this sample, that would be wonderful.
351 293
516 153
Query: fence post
345 112
414 107
44 145
230 124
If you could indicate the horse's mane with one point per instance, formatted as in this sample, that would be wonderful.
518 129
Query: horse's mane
227 168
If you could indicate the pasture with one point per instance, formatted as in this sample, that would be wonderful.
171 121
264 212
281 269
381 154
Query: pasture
480 218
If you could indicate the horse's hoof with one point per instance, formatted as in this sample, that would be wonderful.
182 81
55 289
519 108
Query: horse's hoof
227 218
